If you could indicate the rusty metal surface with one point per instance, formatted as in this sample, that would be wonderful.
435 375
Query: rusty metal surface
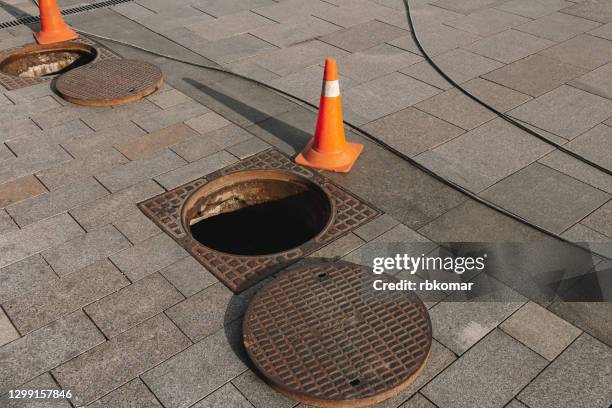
111 82
11 82
241 272
323 336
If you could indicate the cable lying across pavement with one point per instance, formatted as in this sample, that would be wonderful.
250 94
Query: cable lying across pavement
502 115
365 133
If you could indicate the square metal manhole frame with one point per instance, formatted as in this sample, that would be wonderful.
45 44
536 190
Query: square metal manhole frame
11 82
239 272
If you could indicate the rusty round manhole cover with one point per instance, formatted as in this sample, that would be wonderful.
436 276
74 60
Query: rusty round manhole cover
323 336
111 82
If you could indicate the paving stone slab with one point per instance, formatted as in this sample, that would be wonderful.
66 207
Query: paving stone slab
353 13
196 169
133 304
148 256
584 51
102 140
424 16
234 48
6 223
509 46
37 308
229 25
339 247
137 227
435 39
417 401
248 148
489 374
558 27
298 29
24 110
601 219
32 162
23 276
590 239
595 145
540 330
8 332
207 122
175 114
195 371
226 396
169 98
466 6
211 142
218 9
37 237
533 9
596 10
5 153
115 206
56 201
487 22
157 141
546 197
113 363
260 394
363 36
485 155
188 276
376 227
592 317
412 131
131 395
43 382
15 128
565 111
46 348
597 82
47 138
579 377
577 169
76 170
534 75
604 31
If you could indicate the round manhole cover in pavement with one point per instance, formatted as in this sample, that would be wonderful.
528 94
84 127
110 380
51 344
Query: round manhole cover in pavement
323 336
110 82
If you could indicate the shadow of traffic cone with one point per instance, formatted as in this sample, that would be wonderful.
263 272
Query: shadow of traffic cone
328 149
53 28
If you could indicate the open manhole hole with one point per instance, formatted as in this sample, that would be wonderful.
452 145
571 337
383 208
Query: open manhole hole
47 60
323 336
253 218
33 64
257 212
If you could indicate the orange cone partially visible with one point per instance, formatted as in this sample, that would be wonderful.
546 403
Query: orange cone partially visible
53 28
328 149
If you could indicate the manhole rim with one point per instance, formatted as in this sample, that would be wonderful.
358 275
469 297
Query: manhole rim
309 399
41 48
330 221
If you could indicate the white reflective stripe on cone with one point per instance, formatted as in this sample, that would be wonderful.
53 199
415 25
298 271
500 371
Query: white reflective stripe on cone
331 88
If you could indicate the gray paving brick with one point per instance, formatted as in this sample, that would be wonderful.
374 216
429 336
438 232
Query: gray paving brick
558 27
516 404
188 276
577 169
596 10
509 46
170 116
230 25
540 330
85 250
424 72
487 22
57 201
6 223
386 95
376 227
115 206
63 296
357 12
133 304
29 93
24 110
207 122
463 65
47 138
248 148
476 160
37 237
533 9
195 371
104 368
5 153
23 276
604 31
339 247
466 6
59 115
211 142
535 75
140 170
489 375
296 30
133 11
226 396
8 332
102 140
196 169
260 394
589 239
43 382
412 131
218 9
584 51
553 200
577 378
459 323
435 39
46 348
601 220
168 98
597 82
234 48
595 145
363 36
156 142
148 256
219 304
32 162
288 11
131 395
137 227
425 16
109 118
592 317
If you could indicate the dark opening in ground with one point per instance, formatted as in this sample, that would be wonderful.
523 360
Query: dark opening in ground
41 61
258 212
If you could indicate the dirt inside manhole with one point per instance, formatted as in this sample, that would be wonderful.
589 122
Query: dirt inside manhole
257 212
43 60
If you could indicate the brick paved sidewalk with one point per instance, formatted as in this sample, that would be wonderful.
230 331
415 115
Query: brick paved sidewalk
96 299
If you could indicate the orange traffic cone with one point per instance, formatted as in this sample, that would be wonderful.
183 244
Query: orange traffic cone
53 28
328 149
